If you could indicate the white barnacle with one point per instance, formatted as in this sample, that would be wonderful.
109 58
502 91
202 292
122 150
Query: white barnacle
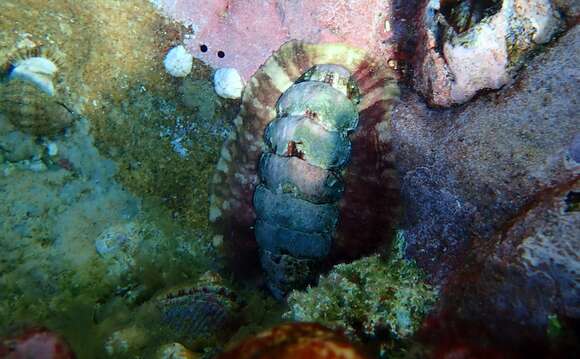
39 71
228 83
178 62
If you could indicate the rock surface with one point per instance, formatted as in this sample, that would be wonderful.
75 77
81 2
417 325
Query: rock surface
235 37
530 272
486 186
468 170
471 46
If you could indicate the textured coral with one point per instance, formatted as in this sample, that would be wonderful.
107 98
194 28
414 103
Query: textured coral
296 340
370 204
366 297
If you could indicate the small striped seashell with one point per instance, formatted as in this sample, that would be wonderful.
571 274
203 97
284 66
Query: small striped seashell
202 309
32 110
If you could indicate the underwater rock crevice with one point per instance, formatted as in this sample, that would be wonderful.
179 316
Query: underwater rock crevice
493 154
485 186
464 14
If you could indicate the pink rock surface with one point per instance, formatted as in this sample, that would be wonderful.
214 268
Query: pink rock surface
37 343
248 31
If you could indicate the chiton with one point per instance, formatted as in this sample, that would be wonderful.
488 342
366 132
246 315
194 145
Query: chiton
307 178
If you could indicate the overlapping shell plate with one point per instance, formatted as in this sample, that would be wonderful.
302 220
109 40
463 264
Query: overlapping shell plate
310 141
312 125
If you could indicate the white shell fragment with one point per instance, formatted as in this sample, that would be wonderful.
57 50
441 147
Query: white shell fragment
52 149
228 83
178 62
36 70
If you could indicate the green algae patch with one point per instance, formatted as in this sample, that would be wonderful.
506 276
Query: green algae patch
117 212
368 298
261 312
88 302
164 132
555 328
166 150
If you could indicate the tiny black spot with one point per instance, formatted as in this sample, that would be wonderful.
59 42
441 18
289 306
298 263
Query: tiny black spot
221 54
203 47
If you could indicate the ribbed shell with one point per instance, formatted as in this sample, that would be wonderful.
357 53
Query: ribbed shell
319 147
370 205
201 310
31 110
